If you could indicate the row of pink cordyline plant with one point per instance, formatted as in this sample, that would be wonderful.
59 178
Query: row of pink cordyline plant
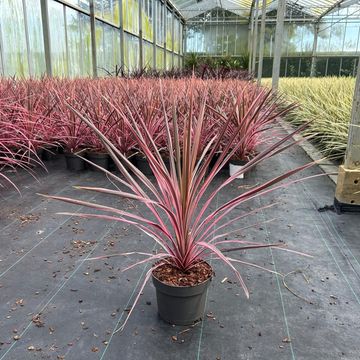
39 110
17 143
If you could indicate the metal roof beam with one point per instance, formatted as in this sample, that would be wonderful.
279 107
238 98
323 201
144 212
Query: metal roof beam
329 10
251 9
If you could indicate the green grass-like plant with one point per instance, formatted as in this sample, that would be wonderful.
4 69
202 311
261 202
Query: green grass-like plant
326 103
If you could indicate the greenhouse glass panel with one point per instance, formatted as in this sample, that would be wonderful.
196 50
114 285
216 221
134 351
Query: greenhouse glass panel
298 39
169 24
292 67
83 4
323 38
194 39
148 55
159 58
131 52
86 46
169 60
180 61
321 66
305 67
131 16
57 39
73 42
241 39
116 12
351 39
100 48
108 48
333 67
108 10
109 56
223 39
126 52
269 40
348 66
36 44
147 19
337 35
176 35
116 49
13 38
181 40
160 23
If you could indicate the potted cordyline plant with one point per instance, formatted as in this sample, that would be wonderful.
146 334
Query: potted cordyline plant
13 144
73 132
147 105
186 232
251 121
104 119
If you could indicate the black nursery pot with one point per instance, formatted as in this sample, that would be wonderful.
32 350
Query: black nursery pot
73 162
181 305
166 162
98 158
213 161
49 153
142 164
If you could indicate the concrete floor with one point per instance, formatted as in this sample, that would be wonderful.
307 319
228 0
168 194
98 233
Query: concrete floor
43 270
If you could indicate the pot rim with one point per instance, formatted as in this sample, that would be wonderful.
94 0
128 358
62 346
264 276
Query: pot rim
72 153
236 162
185 287
94 152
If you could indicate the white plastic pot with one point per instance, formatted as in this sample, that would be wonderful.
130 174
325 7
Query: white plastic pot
235 166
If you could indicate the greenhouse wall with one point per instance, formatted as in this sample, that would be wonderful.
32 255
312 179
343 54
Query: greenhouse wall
120 39
219 32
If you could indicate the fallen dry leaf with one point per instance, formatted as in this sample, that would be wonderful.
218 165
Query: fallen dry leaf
19 302
38 321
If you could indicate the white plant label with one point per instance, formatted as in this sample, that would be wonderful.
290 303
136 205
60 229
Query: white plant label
235 168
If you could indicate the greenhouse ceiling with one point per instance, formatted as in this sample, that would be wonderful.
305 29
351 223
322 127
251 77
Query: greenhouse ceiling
314 9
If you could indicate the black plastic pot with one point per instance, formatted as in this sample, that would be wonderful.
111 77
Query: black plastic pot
31 158
181 305
213 162
100 159
166 162
142 164
74 163
49 153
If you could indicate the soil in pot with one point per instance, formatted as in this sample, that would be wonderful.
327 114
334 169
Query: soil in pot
73 162
181 295
236 165
98 158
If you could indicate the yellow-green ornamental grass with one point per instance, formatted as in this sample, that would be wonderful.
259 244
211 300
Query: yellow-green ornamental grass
327 103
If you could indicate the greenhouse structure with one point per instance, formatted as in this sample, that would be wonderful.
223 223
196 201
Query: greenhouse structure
179 179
